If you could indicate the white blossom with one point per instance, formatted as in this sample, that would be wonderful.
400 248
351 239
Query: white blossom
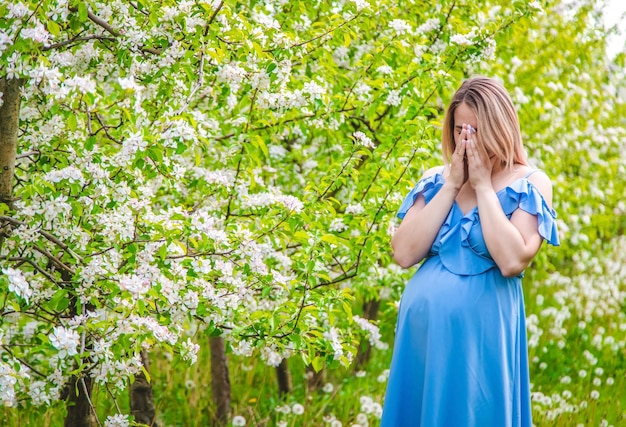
314 90
18 283
393 98
189 351
117 420
232 74
38 34
428 26
82 84
129 83
8 380
5 41
17 10
337 225
71 173
463 40
332 335
361 4
355 209
363 139
65 340
400 26
134 284
271 356
385 69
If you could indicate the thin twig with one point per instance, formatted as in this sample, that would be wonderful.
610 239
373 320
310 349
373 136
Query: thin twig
82 381
45 234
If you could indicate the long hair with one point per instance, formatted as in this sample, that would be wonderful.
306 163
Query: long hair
498 126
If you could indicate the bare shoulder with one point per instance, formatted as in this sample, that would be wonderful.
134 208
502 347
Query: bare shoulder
433 171
542 182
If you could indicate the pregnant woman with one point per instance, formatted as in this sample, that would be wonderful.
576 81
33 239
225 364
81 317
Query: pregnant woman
460 354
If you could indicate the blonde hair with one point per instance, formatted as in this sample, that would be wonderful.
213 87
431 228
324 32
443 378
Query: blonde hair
498 126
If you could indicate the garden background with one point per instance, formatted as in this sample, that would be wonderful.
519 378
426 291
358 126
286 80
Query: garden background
197 200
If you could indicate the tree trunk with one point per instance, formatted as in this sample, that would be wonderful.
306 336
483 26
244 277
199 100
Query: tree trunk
141 396
220 381
79 410
370 312
315 380
9 125
283 374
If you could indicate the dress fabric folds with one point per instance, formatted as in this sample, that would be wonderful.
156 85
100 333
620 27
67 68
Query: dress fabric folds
460 355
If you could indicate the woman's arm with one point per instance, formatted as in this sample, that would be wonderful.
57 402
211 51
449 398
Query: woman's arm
417 231
511 243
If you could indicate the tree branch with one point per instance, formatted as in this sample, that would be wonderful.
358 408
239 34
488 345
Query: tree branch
45 234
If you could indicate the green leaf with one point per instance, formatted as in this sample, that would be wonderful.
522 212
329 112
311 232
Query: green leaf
53 27
317 363
82 11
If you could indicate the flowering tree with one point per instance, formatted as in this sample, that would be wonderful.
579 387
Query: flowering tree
226 169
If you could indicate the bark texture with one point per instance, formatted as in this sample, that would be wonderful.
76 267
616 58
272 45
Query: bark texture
283 375
315 380
9 125
220 381
142 397
79 411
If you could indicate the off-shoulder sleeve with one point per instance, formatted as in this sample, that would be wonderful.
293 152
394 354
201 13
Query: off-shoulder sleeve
427 187
525 195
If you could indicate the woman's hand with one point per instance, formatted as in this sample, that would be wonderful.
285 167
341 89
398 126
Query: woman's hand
478 164
458 166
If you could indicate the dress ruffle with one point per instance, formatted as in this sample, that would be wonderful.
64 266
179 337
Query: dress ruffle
522 194
460 243
427 187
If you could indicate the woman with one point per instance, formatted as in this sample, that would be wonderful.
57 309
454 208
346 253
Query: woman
460 354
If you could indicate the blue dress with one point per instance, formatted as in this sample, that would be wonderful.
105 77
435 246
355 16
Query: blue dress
460 355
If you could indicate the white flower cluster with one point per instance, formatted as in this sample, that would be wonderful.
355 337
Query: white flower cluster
38 34
428 26
129 83
83 85
223 177
400 26
116 370
65 340
232 74
354 209
332 336
8 380
337 225
266 199
5 41
71 173
361 4
117 420
135 284
463 39
393 98
18 283
271 356
363 139
373 332
189 351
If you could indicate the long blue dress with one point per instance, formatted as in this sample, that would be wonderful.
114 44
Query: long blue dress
460 355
